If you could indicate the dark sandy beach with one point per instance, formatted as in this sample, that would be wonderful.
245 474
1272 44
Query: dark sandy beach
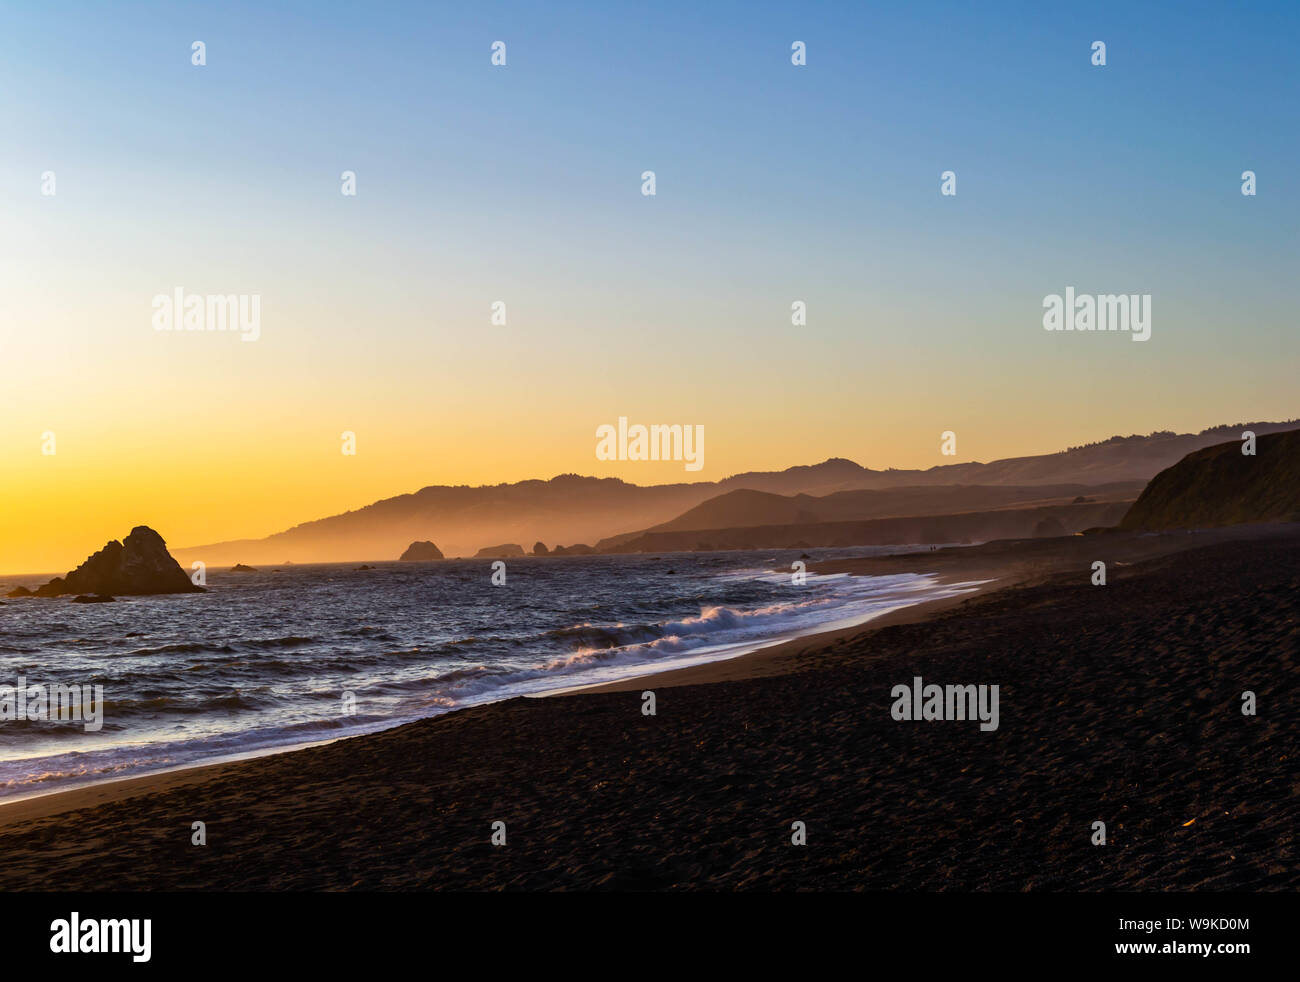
1118 704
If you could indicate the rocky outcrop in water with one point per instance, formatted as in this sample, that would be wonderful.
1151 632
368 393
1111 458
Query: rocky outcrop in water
420 552
139 565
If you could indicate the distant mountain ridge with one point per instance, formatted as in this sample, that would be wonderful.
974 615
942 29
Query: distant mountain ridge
963 527
572 508
745 507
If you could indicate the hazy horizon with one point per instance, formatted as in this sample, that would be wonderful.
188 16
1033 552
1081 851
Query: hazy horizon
466 540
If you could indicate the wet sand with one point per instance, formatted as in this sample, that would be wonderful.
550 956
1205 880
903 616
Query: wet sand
1118 704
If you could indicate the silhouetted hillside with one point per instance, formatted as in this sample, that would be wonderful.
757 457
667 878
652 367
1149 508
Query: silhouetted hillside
572 508
746 508
1117 459
1222 486
1006 523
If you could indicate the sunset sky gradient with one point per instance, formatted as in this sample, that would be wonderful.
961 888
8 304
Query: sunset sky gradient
522 184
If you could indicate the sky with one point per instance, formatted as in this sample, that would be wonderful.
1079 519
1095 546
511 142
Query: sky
522 184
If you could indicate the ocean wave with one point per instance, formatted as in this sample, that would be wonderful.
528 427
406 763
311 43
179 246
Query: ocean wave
631 648
594 636
184 648
184 703
256 676
588 637
290 642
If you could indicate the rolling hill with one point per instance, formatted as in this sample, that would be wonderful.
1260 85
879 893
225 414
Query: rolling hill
573 509
1222 486
745 507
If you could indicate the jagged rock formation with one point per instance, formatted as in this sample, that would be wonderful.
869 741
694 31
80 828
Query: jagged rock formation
539 549
139 565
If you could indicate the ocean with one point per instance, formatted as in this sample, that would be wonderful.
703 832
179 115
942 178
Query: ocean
296 654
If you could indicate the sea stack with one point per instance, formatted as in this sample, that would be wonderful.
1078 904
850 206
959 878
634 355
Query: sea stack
139 565
420 552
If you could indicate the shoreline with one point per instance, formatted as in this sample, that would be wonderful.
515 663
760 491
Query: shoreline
45 804
778 657
1015 566
42 804
990 566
